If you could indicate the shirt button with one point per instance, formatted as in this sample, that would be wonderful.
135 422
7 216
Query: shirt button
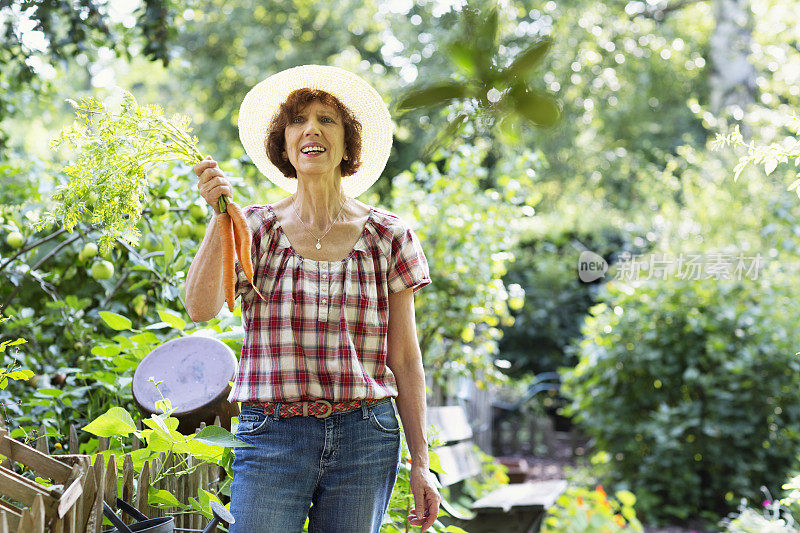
324 276
324 300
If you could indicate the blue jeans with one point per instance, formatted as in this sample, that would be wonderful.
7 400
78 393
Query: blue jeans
343 467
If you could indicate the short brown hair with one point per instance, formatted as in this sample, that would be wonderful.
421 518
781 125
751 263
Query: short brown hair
275 142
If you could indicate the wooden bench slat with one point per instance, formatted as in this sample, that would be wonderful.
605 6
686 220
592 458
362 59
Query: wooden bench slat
458 461
451 421
532 494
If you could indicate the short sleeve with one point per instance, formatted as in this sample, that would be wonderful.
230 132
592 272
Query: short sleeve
408 267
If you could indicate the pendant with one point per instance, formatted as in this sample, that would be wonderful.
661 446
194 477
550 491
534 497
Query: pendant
318 245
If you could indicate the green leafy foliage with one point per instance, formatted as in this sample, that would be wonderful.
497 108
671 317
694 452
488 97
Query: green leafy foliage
468 236
696 379
211 445
582 510
769 155
116 151
554 299
496 96
12 372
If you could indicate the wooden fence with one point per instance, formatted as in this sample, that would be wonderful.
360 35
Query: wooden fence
91 484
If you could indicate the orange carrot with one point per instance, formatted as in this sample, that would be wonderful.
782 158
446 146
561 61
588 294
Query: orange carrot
243 240
228 268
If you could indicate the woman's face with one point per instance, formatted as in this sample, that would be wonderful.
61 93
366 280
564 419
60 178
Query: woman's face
315 139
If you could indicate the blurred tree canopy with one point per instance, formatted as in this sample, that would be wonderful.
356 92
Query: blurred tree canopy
38 37
505 207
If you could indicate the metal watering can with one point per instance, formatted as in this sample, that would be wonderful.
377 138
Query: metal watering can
165 524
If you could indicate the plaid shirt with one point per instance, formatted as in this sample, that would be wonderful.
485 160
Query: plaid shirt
322 331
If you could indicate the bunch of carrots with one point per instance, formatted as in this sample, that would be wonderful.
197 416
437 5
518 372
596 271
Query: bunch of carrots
115 151
235 238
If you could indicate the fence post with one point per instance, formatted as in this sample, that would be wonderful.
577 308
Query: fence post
128 490
73 440
41 442
99 479
142 488
110 489
136 443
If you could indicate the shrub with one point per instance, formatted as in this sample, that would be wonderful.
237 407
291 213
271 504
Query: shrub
556 301
691 391
580 510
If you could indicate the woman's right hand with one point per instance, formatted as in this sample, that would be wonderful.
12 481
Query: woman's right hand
212 183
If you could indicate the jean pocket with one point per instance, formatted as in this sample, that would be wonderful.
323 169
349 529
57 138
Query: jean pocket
252 423
384 419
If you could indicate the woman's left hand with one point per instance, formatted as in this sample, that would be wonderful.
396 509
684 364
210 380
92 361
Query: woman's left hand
426 498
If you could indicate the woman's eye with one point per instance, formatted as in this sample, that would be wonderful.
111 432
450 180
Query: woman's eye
327 118
297 119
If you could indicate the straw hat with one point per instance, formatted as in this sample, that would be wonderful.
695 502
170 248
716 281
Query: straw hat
262 102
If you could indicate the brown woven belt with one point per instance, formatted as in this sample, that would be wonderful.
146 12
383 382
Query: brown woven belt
318 408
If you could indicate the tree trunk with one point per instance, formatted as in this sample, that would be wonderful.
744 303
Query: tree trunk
733 78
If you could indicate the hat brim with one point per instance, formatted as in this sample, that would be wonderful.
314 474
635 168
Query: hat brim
262 102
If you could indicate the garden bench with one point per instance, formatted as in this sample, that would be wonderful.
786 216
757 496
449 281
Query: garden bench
512 508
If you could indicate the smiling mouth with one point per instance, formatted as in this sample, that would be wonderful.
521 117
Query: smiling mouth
313 151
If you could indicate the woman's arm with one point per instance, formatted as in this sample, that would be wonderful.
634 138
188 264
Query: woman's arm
205 293
405 361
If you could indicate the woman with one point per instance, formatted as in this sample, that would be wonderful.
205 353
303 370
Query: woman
334 338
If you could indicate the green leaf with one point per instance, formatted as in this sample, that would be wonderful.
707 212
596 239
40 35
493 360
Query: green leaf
432 95
528 59
20 375
160 423
11 343
539 109
445 135
434 463
218 436
626 497
770 166
462 57
163 497
454 529
116 421
172 319
50 392
171 422
115 321
158 325
740 166
106 351
169 249
165 406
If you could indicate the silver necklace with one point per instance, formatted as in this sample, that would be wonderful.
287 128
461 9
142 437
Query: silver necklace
318 245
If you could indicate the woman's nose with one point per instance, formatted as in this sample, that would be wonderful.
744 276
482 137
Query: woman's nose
312 128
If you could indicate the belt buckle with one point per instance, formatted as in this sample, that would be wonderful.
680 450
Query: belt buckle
328 411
